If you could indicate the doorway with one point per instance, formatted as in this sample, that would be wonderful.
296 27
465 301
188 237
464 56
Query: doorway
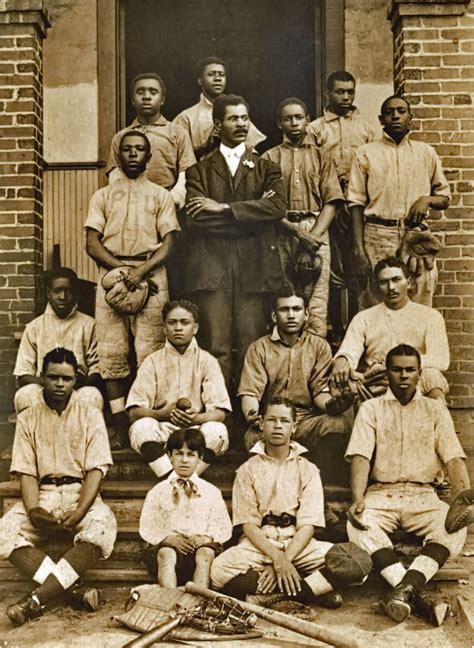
270 49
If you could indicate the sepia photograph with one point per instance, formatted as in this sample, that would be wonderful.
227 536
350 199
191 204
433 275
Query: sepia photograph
237 323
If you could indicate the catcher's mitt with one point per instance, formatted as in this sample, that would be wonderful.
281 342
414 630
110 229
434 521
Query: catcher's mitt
308 267
118 294
150 606
461 512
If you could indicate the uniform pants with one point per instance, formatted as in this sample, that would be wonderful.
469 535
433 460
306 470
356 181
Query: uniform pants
98 526
114 330
239 559
149 429
317 293
413 507
381 242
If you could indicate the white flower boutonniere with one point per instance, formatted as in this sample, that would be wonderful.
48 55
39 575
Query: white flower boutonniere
249 163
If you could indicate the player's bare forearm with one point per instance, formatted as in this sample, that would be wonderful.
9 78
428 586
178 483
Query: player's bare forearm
257 537
360 468
212 416
324 220
159 414
458 476
29 487
98 252
159 256
299 541
89 491
357 218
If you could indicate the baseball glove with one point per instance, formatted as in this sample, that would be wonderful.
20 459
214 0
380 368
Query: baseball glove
461 512
151 606
125 299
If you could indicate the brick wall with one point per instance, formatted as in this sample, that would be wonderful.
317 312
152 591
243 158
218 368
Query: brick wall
21 228
434 69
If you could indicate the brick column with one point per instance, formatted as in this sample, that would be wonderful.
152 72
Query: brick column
433 68
23 25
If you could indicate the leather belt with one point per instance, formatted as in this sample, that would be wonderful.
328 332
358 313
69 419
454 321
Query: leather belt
140 257
60 481
283 520
298 216
385 222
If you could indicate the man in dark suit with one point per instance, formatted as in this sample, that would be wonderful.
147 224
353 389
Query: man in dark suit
233 201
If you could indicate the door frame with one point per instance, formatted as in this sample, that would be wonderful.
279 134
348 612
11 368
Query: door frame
329 56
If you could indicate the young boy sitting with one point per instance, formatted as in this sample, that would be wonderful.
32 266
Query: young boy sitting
278 501
179 386
184 518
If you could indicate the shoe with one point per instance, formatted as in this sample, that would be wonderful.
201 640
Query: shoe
428 607
84 598
26 609
331 600
399 603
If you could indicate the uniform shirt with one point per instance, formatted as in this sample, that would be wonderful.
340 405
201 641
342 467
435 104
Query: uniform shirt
263 485
309 173
204 513
132 215
171 151
405 443
274 369
387 179
373 332
199 124
340 136
71 443
167 375
48 331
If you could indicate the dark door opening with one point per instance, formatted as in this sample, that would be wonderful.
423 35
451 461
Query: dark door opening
268 46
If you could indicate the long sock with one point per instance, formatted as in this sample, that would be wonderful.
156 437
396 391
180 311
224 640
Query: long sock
243 584
317 584
67 571
387 563
34 562
151 450
431 558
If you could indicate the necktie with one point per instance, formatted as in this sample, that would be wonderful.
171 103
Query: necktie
185 486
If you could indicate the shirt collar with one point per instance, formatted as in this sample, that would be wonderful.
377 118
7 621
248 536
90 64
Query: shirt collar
330 116
296 449
192 345
386 139
237 151
389 395
204 100
161 121
307 141
393 310
173 476
49 311
276 337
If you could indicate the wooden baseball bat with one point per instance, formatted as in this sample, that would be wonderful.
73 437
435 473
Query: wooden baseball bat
152 636
305 628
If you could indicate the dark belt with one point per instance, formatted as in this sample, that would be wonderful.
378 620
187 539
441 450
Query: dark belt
140 257
60 481
298 216
283 520
386 222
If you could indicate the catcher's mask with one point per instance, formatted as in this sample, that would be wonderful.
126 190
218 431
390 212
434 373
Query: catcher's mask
119 296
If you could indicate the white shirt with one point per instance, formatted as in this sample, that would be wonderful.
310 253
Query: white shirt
204 513
404 443
373 332
232 156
